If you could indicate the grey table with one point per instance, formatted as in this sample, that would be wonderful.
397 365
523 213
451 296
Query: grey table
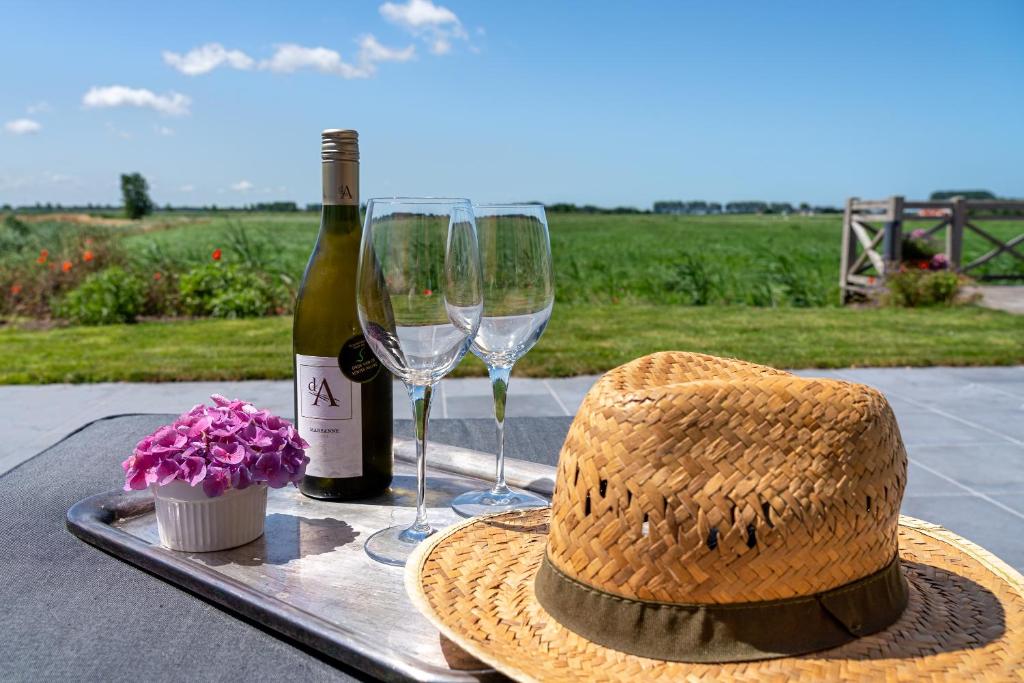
71 612
67 610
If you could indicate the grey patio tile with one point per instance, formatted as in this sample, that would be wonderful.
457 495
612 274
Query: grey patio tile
278 397
1004 417
1013 500
570 399
904 407
581 383
929 428
986 468
465 407
921 482
531 405
468 386
982 522
525 385
1007 378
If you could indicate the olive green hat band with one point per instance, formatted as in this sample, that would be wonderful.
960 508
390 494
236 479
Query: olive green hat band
724 632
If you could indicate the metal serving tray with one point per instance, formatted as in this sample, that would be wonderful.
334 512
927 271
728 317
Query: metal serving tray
308 578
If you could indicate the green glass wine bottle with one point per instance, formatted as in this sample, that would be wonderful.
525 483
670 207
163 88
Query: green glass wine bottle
342 393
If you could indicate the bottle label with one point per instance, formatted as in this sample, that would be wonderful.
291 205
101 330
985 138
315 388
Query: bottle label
330 417
341 183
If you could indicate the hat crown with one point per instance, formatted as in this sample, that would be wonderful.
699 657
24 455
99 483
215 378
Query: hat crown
691 479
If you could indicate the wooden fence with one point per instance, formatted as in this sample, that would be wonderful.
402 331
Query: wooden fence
873 237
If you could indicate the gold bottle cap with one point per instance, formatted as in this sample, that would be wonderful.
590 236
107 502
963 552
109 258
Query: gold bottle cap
339 145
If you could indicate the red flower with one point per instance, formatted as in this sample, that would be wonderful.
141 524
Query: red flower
427 292
43 255
15 289
157 276
923 265
87 256
216 254
66 266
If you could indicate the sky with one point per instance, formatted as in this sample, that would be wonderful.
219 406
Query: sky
607 103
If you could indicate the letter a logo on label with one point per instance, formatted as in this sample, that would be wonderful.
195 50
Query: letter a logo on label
321 392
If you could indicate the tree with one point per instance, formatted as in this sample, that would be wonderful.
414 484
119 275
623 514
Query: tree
966 194
135 192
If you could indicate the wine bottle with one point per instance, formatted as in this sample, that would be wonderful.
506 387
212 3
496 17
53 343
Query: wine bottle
342 393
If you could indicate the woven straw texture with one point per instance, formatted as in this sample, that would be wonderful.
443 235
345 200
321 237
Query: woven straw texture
964 620
693 479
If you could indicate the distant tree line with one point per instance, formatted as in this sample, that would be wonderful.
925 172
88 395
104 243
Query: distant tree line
704 208
135 193
565 207
966 194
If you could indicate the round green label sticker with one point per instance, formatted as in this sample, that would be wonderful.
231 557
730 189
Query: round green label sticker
356 360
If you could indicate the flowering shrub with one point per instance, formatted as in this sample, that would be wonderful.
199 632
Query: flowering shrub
230 444
42 260
919 246
913 288
113 296
227 291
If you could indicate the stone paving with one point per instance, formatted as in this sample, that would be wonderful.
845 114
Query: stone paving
963 428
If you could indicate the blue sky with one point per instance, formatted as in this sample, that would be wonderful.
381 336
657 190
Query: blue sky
592 102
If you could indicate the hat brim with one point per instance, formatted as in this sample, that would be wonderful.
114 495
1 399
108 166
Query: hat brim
474 582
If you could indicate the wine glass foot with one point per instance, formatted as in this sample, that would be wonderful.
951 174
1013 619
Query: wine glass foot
475 503
395 544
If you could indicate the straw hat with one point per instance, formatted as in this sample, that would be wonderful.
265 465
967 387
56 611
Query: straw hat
715 519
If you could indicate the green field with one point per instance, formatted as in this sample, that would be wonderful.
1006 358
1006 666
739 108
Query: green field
581 339
757 287
715 260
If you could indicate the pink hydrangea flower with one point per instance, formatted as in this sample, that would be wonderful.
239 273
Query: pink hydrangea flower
939 262
230 444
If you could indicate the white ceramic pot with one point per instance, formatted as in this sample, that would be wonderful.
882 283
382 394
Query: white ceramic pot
190 521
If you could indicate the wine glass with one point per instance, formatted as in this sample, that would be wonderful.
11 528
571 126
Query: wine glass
420 297
519 292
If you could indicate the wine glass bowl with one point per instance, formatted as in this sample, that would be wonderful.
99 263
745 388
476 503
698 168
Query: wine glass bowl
518 293
419 297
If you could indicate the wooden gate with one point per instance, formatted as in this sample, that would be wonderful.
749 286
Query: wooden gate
873 237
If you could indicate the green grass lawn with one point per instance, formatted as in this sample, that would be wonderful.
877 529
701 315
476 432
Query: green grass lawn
581 339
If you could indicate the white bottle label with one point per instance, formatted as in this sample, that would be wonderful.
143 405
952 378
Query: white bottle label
330 417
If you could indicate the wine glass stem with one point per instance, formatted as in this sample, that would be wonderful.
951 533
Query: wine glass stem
420 396
499 387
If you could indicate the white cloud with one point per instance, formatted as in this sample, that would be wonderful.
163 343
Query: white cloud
39 108
417 14
22 126
435 24
174 104
289 58
242 186
371 51
163 130
186 188
206 58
